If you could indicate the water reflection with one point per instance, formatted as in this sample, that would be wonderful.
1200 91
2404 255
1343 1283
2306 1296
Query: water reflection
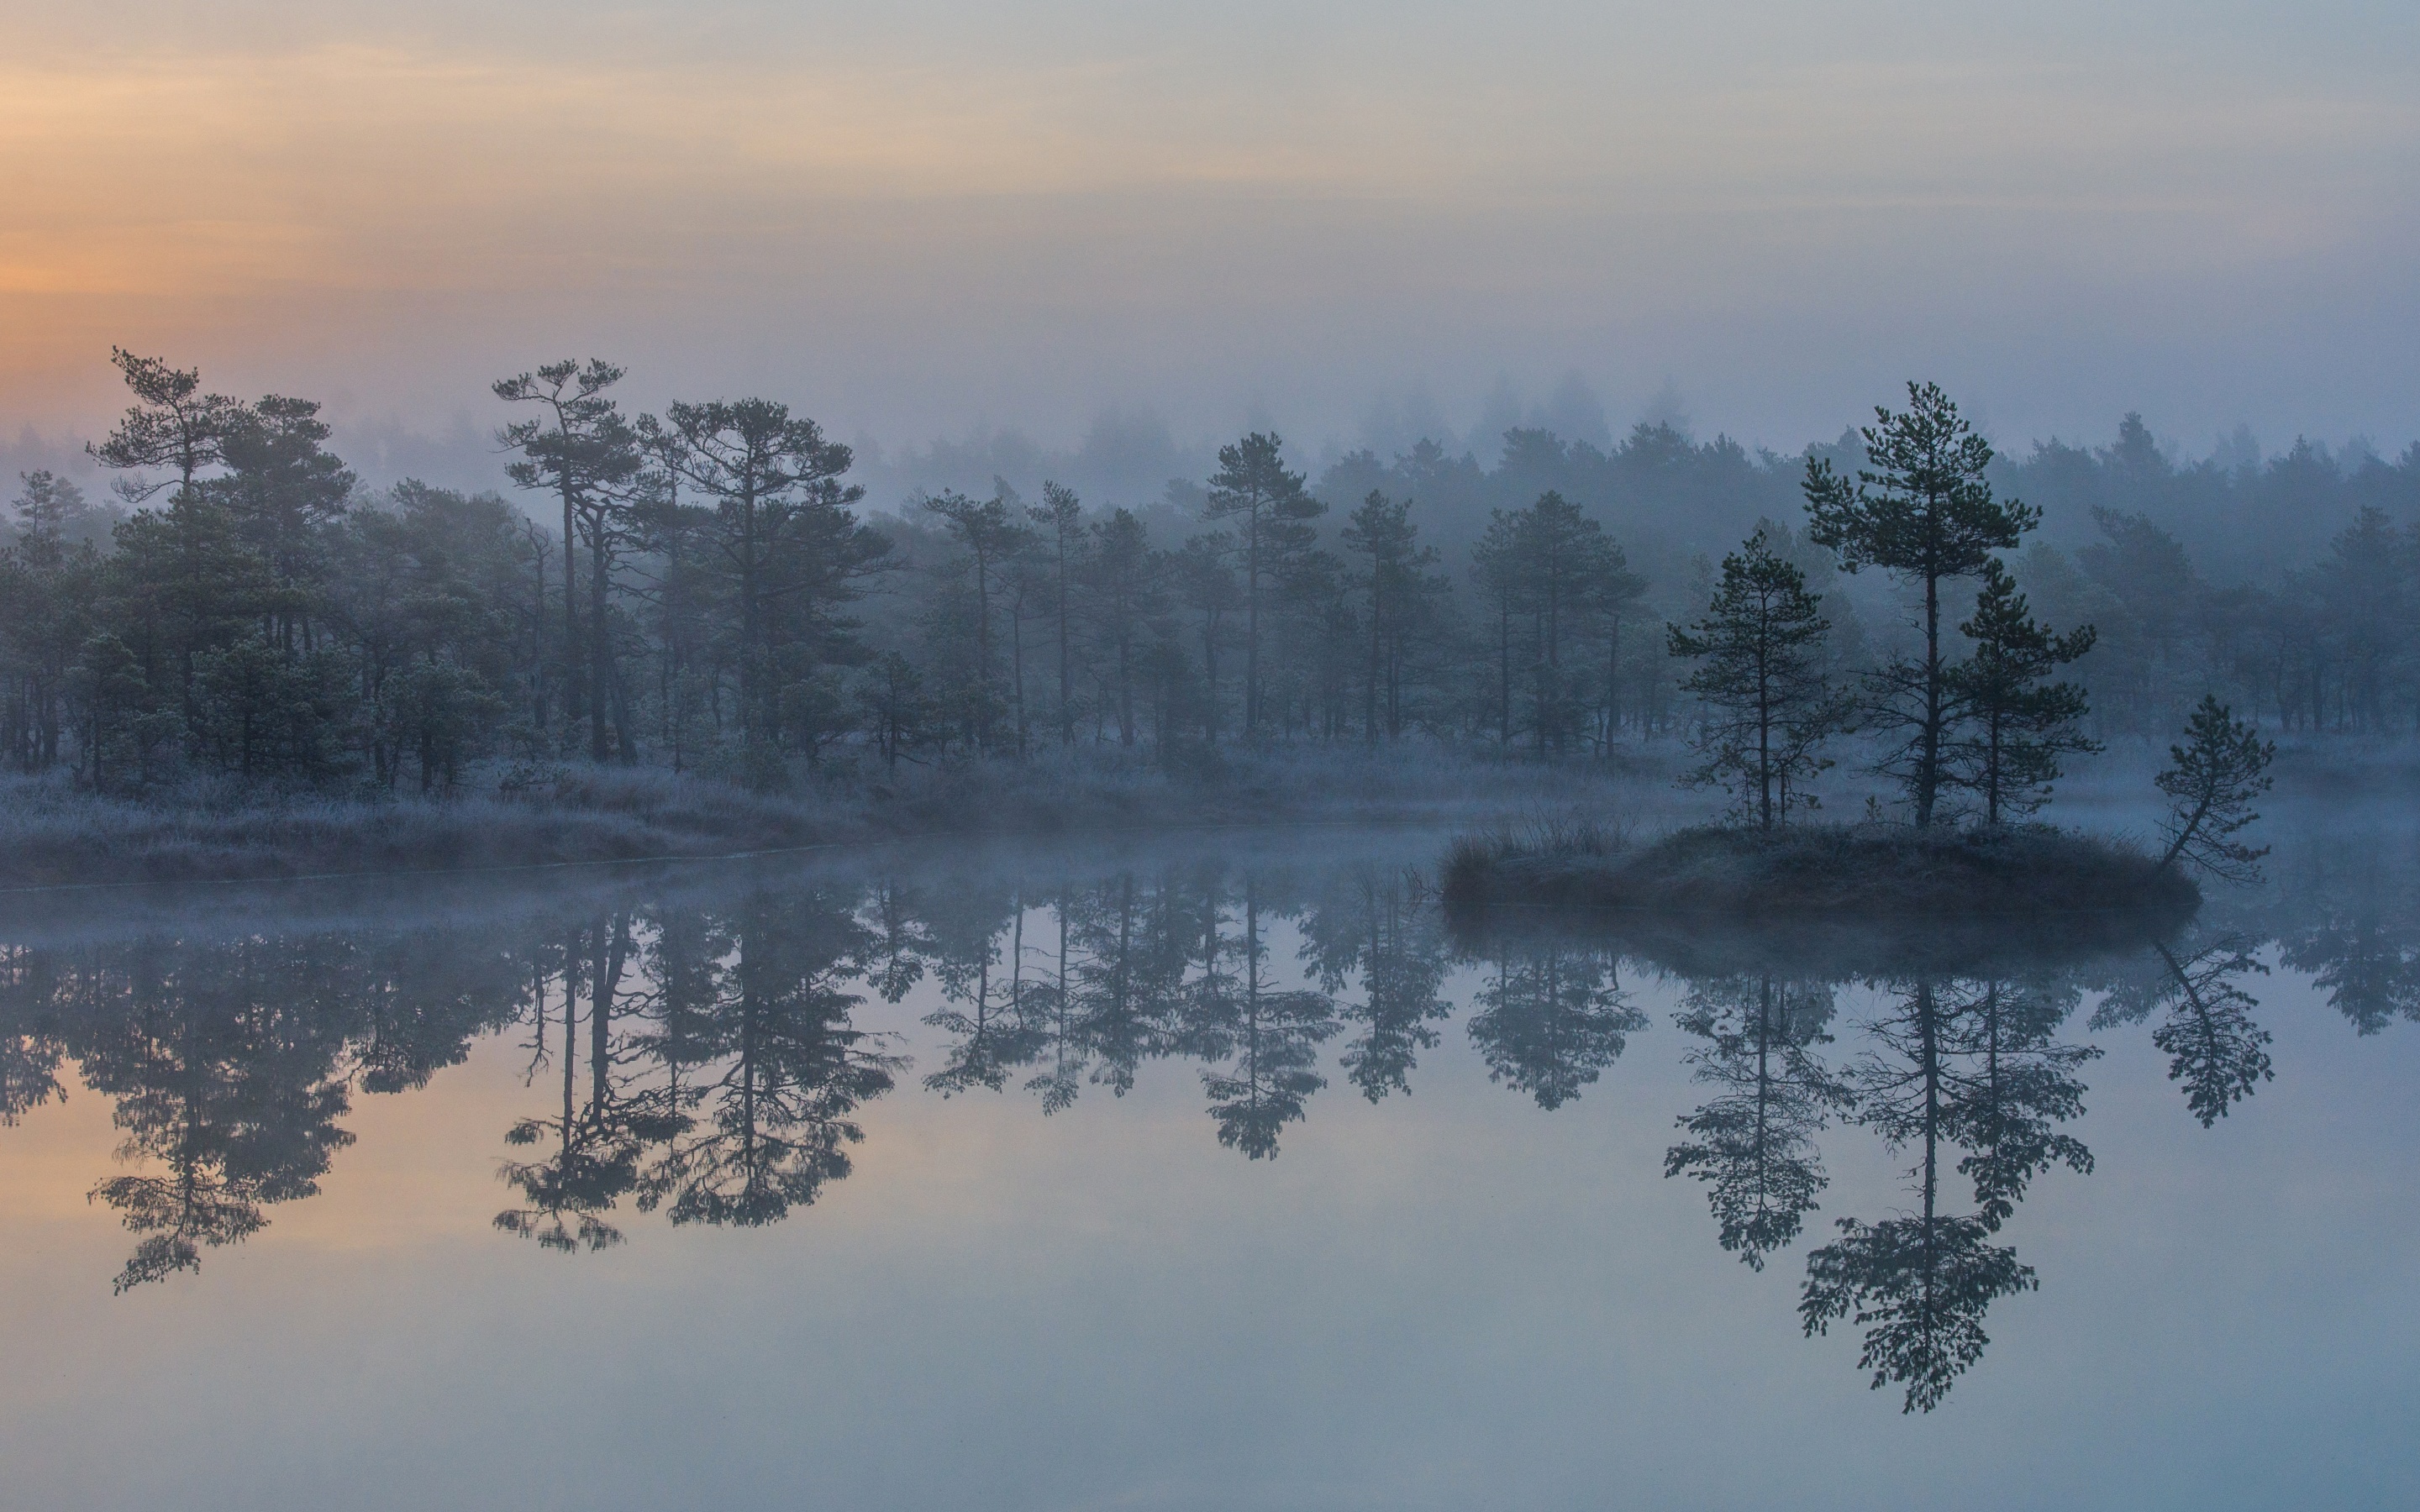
707 1057
1753 1144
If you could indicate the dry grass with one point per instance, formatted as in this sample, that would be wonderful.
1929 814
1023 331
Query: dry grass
1862 872
53 833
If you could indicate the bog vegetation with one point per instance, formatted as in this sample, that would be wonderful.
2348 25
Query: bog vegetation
707 590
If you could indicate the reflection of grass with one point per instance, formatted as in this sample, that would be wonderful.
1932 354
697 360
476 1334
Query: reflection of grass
1866 871
53 832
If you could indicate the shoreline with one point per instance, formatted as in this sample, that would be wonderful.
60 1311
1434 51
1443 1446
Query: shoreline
54 838
1815 876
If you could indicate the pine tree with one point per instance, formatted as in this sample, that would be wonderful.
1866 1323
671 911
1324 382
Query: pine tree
1273 513
2213 780
2015 726
1760 675
991 533
1060 518
585 460
1924 513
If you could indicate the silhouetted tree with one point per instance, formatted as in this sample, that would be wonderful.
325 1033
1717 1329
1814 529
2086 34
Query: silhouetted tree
1761 673
2015 726
2212 781
1922 511
1272 513
581 450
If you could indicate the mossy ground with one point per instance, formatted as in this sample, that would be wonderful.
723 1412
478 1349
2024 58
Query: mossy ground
1839 872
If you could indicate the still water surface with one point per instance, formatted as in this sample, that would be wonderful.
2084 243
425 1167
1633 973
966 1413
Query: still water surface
1222 1174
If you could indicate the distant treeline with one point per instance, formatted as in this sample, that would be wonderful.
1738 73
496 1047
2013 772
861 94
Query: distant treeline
706 590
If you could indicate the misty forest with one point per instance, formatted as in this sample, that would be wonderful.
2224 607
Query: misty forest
707 590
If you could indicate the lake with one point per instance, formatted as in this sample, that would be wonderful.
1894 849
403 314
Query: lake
1213 1171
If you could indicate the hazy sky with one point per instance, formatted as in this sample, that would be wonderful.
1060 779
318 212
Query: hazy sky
919 219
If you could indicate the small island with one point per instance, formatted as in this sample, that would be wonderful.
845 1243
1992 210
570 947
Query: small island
1972 744
2030 871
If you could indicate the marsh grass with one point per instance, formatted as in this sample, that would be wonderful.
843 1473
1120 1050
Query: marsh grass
212 829
1815 871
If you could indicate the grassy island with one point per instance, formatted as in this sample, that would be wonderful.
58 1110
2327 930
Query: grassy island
1810 873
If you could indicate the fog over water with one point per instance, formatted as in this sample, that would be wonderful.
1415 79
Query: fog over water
1049 1176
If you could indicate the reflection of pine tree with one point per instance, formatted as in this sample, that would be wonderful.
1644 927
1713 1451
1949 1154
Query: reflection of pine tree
1130 998
597 1150
994 1038
30 1046
1047 1008
788 1068
2350 917
900 943
1274 1038
226 1073
1754 1143
1552 1020
2010 1084
1375 926
2214 1048
423 995
1919 1284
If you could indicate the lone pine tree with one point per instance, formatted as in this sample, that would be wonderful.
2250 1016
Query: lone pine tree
2211 779
1923 511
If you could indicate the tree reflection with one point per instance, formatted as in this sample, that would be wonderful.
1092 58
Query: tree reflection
780 1067
1379 927
30 1046
1269 1037
990 1033
2010 1085
596 1148
2349 916
1982 1070
1553 1017
1753 1144
2215 1050
228 1081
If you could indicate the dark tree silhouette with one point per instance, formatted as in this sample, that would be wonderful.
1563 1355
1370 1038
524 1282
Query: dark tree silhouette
1272 511
1922 511
2015 726
2212 781
1761 673
581 451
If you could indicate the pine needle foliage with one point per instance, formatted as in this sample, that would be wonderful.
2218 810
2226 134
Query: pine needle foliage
1760 675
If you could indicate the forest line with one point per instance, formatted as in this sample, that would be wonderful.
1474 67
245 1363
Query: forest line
707 590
